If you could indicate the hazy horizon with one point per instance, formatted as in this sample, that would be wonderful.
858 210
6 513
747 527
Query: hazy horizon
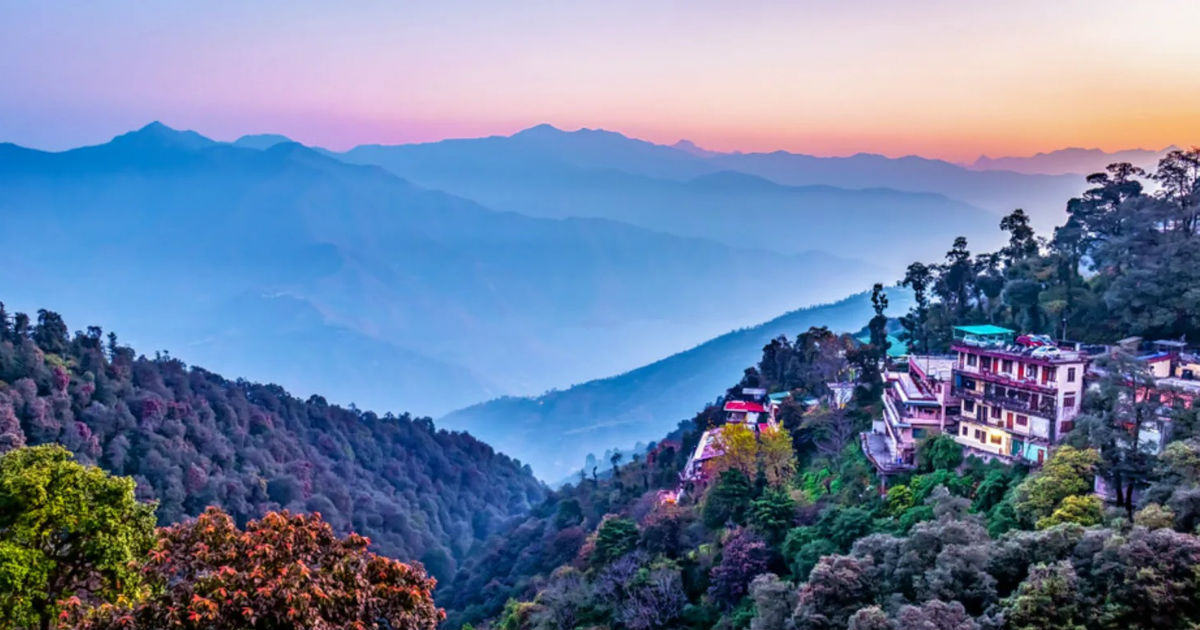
234 137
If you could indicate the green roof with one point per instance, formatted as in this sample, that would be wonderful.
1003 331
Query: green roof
985 329
896 348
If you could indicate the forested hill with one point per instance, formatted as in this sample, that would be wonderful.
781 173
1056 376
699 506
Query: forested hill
191 438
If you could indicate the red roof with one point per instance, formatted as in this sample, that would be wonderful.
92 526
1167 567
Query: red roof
741 405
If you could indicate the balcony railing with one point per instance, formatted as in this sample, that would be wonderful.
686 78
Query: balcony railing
1046 406
890 413
1002 378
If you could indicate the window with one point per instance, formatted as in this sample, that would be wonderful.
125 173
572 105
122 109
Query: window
1048 374
996 412
972 359
980 436
995 439
1069 401
965 430
1022 420
986 363
1008 365
969 406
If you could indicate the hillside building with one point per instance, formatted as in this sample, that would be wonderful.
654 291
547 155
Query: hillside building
917 402
759 413
1017 399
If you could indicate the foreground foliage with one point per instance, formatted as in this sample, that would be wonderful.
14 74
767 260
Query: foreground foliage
285 570
66 530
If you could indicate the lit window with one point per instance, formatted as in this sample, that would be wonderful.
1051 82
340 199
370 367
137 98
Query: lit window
995 439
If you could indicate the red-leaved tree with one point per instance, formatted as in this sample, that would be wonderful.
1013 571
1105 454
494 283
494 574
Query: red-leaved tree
284 571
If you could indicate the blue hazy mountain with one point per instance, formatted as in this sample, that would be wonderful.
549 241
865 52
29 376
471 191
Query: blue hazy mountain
605 174
997 191
1071 160
554 432
247 260
260 140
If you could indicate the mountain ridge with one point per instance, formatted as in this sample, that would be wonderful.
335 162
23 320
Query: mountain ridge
662 189
416 269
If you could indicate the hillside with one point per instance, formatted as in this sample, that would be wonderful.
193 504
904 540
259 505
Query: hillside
191 438
784 522
248 259
554 432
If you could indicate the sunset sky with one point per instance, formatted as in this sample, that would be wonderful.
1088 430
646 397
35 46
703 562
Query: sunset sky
942 79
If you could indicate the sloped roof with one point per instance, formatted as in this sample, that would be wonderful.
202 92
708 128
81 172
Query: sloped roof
742 405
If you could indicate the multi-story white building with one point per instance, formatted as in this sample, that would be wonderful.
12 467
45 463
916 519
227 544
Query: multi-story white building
1017 399
916 403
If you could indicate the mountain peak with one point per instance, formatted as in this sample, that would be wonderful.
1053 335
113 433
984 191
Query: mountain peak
544 129
687 146
158 134
261 141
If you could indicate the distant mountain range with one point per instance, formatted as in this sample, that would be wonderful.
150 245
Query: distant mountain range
728 206
554 433
585 173
267 262
1071 160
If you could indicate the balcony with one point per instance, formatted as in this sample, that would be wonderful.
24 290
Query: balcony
1007 380
1046 406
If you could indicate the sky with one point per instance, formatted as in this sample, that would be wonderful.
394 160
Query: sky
945 79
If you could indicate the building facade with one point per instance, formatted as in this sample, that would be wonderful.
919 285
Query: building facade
917 402
1016 399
